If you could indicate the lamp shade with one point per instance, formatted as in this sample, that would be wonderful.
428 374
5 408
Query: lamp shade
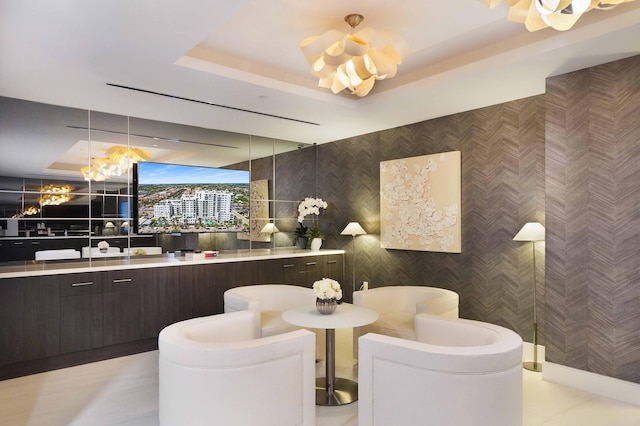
531 231
269 228
353 229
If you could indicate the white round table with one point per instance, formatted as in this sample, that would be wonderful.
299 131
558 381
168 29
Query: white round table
329 390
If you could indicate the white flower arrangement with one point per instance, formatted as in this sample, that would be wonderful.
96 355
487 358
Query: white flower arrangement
327 288
310 206
103 245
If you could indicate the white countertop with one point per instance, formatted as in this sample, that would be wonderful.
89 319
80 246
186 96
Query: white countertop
38 268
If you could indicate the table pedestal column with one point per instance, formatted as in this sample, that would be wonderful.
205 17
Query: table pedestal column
329 390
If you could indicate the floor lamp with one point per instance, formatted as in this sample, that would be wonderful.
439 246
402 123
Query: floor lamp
532 231
353 229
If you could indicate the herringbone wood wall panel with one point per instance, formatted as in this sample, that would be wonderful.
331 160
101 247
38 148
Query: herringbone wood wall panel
502 188
569 159
593 219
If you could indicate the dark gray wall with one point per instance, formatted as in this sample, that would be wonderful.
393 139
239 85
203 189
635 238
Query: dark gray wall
593 219
502 188
575 149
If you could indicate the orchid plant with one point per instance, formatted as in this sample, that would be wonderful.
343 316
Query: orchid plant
310 206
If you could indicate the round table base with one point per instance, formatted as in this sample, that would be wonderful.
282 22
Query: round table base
345 391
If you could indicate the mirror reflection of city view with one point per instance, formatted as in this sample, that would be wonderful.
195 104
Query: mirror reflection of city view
174 198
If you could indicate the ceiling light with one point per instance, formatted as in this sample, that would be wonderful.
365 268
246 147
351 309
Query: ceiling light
352 61
119 161
54 195
557 14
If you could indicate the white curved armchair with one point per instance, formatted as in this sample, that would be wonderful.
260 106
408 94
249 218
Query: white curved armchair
268 301
57 254
213 370
397 307
457 372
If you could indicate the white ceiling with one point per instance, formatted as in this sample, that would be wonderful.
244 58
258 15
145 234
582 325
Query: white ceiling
244 54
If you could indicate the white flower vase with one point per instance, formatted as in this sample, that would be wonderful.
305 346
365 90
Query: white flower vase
316 243
326 306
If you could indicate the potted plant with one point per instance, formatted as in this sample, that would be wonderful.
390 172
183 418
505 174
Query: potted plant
315 235
103 246
309 206
301 235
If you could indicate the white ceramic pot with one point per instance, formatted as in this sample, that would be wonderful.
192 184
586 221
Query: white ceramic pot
316 243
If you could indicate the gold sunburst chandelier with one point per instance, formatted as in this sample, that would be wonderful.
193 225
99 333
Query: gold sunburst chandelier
352 61
54 195
560 15
119 161
27 211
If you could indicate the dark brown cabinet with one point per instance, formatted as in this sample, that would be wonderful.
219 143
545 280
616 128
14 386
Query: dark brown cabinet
197 290
80 312
304 271
55 321
29 318
160 299
122 306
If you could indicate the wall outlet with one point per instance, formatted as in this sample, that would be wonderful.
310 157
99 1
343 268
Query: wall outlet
365 285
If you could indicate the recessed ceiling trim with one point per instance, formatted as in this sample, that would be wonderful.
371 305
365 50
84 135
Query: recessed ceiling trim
151 92
151 137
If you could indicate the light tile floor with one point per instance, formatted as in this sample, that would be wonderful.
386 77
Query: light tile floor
124 391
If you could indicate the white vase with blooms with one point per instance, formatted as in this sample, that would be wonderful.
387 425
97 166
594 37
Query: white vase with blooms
103 246
328 292
310 206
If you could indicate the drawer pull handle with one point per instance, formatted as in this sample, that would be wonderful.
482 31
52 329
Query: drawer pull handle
35 243
311 263
18 243
82 284
288 266
122 280
331 262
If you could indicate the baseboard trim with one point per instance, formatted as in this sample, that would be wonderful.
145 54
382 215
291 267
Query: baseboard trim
608 387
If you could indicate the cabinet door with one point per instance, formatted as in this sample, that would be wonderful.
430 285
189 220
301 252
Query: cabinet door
122 306
291 270
80 312
160 299
30 318
313 269
333 267
197 292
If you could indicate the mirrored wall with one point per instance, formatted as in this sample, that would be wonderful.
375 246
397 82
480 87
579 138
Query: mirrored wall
68 184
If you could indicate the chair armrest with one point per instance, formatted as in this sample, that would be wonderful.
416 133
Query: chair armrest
377 299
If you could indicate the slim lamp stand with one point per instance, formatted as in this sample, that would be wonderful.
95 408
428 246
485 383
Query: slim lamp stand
353 229
535 365
533 231
353 266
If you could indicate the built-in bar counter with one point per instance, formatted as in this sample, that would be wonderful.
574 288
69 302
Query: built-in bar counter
55 314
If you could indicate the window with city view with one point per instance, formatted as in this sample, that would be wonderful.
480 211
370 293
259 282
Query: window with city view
174 198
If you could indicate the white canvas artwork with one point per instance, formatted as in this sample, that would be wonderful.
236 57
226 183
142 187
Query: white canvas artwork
259 195
420 203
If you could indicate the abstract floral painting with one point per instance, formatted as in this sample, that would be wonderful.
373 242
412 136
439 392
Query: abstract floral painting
420 203
259 206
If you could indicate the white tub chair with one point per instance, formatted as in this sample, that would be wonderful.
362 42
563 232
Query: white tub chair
60 254
95 252
397 307
141 251
269 301
457 372
215 370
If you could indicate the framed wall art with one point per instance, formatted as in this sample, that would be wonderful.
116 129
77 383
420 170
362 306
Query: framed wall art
259 215
420 203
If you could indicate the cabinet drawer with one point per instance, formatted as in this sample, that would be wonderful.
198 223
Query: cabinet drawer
119 281
77 284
